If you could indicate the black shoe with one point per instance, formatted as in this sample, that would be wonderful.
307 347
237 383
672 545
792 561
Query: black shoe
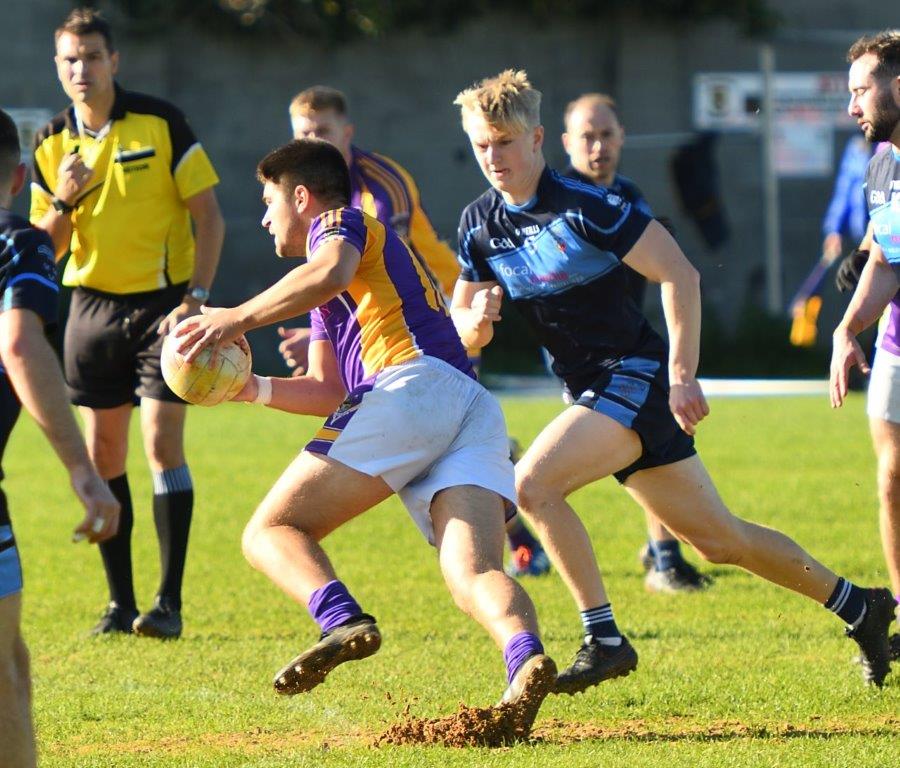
527 691
595 663
161 621
872 635
681 577
894 643
115 619
356 639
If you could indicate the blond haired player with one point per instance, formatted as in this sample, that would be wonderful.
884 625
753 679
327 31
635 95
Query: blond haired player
556 248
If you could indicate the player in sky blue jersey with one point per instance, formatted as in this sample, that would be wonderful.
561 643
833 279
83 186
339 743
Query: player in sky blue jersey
874 83
593 140
556 248
30 375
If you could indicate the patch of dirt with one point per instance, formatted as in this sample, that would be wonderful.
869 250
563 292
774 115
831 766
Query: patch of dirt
467 727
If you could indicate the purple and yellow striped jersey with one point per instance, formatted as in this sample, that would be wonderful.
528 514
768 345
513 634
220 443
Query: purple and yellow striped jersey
392 311
384 189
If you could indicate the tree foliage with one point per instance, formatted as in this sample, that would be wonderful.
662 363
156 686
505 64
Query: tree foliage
341 20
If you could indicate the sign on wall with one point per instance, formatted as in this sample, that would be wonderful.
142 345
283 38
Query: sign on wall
808 107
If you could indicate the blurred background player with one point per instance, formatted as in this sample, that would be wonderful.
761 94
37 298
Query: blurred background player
874 83
118 179
383 189
408 416
638 399
30 375
593 140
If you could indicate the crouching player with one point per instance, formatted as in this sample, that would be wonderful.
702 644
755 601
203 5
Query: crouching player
382 344
557 248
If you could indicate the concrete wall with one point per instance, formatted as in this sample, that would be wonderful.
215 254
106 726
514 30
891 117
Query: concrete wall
235 93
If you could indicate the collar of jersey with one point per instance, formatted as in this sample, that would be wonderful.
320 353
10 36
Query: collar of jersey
117 113
523 207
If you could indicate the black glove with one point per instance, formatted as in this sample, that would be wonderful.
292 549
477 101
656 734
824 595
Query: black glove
850 269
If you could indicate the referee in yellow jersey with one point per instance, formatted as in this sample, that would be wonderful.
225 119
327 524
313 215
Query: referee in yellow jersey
119 179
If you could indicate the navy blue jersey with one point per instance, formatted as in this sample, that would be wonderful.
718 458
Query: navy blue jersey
27 281
621 186
559 260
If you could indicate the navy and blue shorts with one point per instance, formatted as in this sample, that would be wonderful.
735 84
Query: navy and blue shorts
112 348
10 567
634 391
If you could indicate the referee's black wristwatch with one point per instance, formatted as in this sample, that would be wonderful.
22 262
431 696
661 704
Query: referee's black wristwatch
198 294
61 205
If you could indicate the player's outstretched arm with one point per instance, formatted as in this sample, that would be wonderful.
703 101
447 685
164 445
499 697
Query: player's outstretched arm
318 392
657 256
474 309
877 286
35 375
328 272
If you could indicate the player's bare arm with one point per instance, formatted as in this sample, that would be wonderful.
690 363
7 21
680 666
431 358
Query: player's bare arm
877 286
35 375
318 392
657 256
72 177
329 271
474 309
209 234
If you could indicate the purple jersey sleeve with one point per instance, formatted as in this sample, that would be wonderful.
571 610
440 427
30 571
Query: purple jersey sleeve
342 223
318 331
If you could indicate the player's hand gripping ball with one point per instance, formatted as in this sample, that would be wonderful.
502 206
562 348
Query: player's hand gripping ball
206 382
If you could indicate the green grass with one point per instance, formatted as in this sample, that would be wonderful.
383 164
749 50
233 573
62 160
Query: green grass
745 675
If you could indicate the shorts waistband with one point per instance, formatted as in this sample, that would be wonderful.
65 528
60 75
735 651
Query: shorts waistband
137 296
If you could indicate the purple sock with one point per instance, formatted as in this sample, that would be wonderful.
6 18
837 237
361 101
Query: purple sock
519 649
332 605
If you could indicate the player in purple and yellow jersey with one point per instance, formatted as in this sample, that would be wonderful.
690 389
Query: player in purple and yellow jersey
382 188
556 247
407 417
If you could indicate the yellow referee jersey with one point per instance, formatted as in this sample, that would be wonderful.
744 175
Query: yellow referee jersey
131 228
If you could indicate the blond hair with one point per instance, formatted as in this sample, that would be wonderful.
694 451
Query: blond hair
507 101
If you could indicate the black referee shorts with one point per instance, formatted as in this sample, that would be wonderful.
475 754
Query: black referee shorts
111 349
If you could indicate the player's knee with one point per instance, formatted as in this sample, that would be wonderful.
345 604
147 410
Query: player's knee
722 545
163 451
108 455
889 483
533 494
14 669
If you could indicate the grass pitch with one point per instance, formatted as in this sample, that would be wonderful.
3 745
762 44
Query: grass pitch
744 675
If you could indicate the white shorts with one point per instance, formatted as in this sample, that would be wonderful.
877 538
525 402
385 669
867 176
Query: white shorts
422 427
883 400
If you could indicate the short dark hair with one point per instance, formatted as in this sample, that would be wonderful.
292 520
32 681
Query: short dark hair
10 150
319 98
885 45
603 99
316 164
84 21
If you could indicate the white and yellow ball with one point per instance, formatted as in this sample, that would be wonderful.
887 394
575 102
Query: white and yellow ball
202 383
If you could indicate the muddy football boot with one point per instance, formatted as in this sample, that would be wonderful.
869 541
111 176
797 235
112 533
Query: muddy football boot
527 691
356 639
595 663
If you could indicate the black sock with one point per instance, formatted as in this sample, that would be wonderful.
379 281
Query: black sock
116 552
173 506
